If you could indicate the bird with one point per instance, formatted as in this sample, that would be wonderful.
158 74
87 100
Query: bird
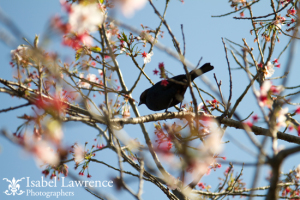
160 97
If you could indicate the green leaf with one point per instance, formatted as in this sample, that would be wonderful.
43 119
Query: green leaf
78 54
124 37
95 49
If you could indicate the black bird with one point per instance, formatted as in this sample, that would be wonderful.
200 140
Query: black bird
160 97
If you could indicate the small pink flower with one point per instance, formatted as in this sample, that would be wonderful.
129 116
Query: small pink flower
155 71
164 82
208 171
249 124
46 172
144 55
291 11
201 185
255 118
125 111
66 6
227 170
161 65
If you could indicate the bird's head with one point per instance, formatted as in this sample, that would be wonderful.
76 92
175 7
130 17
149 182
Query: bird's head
143 97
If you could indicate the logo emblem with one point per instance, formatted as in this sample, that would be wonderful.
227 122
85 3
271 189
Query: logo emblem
13 187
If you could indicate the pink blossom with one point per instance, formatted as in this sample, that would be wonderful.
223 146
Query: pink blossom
45 153
84 38
78 154
125 111
239 1
276 89
284 2
227 170
262 95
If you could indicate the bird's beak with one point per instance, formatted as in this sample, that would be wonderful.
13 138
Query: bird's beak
140 103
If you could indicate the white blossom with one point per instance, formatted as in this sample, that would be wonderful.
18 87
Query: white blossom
89 77
269 70
147 59
282 117
297 170
128 7
85 17
19 53
123 48
78 154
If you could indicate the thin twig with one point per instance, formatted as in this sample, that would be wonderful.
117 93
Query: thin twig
13 108
264 16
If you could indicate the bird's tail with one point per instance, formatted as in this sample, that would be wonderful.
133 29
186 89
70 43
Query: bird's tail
198 72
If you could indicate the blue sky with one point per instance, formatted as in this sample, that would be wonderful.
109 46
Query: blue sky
203 39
